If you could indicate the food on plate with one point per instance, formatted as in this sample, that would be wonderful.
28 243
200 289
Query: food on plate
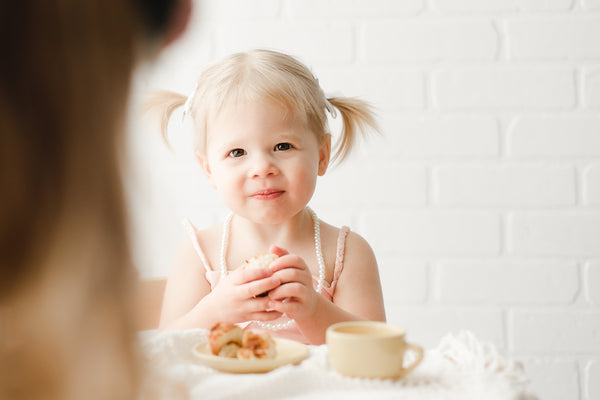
260 261
229 340
257 346
225 339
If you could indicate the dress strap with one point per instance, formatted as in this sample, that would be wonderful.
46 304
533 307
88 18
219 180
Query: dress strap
339 255
193 235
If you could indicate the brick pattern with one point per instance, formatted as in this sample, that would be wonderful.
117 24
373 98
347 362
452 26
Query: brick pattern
482 197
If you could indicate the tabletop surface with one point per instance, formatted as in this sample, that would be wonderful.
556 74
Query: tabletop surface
460 367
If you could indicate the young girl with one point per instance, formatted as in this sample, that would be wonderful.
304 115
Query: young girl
262 140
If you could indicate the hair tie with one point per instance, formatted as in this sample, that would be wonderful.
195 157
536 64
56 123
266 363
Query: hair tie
187 107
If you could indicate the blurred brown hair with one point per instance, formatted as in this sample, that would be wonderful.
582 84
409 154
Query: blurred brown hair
66 298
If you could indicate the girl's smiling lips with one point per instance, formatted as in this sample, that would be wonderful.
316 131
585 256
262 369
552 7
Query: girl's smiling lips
267 194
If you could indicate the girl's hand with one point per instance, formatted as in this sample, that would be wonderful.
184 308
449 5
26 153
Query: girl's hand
296 296
235 299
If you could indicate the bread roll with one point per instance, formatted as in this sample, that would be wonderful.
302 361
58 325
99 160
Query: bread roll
229 340
257 346
261 261
223 334
230 350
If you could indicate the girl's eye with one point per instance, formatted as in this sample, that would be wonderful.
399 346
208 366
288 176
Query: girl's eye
283 146
237 153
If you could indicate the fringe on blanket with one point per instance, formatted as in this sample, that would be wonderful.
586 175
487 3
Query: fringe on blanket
470 354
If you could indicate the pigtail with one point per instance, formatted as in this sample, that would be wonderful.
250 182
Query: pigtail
358 118
164 103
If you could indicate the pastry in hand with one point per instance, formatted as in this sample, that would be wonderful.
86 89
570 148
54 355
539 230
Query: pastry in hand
260 261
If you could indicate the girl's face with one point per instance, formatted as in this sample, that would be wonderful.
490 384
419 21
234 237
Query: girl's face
263 161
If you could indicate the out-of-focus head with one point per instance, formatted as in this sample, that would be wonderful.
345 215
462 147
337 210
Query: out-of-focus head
64 83
165 20
66 281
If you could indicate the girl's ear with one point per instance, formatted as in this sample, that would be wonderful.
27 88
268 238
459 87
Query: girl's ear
206 168
324 154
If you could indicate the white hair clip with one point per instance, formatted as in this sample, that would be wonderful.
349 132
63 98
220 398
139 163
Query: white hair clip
329 107
187 107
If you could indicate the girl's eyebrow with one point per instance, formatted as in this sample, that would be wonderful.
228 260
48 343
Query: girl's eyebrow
290 135
225 144
226 147
284 138
225 141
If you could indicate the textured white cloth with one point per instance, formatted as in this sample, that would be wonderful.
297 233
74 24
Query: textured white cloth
461 367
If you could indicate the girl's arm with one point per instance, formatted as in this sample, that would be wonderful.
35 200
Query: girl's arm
190 303
186 287
358 294
359 287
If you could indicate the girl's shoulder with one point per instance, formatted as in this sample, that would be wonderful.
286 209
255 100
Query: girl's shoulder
329 234
204 242
210 232
332 232
203 233
354 245
357 250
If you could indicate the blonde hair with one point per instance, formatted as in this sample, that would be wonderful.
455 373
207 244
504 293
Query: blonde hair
66 281
270 75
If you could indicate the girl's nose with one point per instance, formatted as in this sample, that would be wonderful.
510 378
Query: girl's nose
262 166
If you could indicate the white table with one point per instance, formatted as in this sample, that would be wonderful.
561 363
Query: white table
460 367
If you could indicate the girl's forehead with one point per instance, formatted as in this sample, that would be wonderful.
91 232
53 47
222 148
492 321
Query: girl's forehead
240 103
252 113
254 121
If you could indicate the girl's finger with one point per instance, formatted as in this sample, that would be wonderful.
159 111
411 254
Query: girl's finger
288 275
288 261
278 251
288 290
288 307
244 275
265 316
259 287
255 304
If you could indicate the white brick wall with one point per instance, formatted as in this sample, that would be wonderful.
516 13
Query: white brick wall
592 282
482 197
517 283
504 87
574 136
591 90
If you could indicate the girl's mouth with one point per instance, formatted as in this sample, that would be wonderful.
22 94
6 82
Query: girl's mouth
268 194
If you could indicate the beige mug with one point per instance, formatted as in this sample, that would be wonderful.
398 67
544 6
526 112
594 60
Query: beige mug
369 349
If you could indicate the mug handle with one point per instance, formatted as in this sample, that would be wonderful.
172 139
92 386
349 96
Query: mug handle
417 349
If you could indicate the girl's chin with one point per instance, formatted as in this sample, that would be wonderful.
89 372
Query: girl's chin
268 215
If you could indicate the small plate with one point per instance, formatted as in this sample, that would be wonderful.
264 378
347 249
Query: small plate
288 352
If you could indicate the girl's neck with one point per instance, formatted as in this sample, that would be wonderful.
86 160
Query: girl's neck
296 229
